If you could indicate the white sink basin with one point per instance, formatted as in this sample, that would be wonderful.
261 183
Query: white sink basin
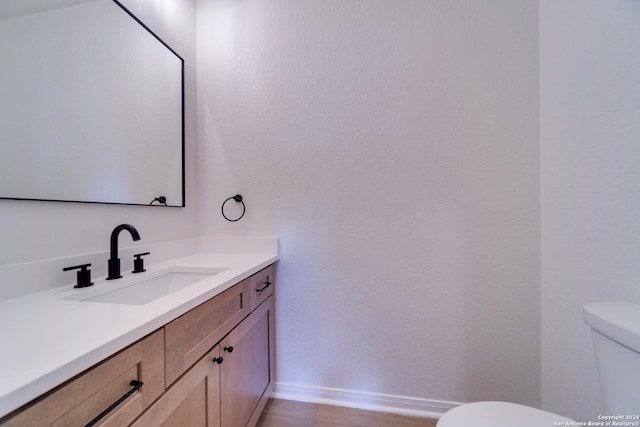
147 288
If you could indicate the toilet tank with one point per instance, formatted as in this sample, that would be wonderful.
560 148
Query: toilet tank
615 328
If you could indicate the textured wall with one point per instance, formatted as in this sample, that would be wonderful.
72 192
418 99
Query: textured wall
590 203
41 230
393 148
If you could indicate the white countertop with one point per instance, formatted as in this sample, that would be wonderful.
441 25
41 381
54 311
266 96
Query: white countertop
47 339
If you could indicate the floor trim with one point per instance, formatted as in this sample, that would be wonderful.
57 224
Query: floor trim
401 405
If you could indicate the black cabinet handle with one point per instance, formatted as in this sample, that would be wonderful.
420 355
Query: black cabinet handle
266 285
217 360
228 349
136 386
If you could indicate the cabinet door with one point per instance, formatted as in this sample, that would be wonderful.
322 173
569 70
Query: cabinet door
246 377
193 400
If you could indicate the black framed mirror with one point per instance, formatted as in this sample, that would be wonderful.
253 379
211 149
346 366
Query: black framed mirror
92 106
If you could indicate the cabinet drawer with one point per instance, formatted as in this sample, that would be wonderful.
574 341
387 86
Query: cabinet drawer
194 333
83 398
262 284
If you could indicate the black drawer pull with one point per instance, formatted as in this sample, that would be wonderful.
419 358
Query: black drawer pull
136 386
266 285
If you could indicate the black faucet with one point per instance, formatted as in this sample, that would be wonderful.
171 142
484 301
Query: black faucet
114 261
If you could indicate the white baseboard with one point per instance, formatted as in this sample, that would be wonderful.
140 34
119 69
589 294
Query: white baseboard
401 405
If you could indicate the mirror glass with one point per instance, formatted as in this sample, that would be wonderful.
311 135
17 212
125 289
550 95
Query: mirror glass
91 105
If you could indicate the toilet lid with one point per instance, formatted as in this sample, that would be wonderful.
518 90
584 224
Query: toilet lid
496 414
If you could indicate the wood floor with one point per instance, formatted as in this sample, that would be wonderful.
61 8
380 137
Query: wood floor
287 413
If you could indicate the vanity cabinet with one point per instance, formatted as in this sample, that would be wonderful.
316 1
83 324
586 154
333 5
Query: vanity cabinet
213 366
228 386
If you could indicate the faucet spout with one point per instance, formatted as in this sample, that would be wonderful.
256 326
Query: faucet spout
114 261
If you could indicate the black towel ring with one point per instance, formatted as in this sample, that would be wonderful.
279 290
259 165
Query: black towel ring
162 200
237 198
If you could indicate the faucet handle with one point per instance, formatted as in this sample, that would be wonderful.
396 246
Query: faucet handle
83 275
138 262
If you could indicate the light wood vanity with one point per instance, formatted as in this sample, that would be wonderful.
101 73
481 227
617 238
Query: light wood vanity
212 366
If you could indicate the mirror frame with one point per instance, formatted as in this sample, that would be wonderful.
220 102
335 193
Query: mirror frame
182 118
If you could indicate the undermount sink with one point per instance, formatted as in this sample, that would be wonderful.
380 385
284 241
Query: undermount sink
143 290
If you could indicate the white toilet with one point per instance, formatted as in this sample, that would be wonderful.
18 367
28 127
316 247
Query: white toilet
497 414
615 328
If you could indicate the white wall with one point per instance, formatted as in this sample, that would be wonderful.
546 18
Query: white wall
393 148
590 184
40 230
